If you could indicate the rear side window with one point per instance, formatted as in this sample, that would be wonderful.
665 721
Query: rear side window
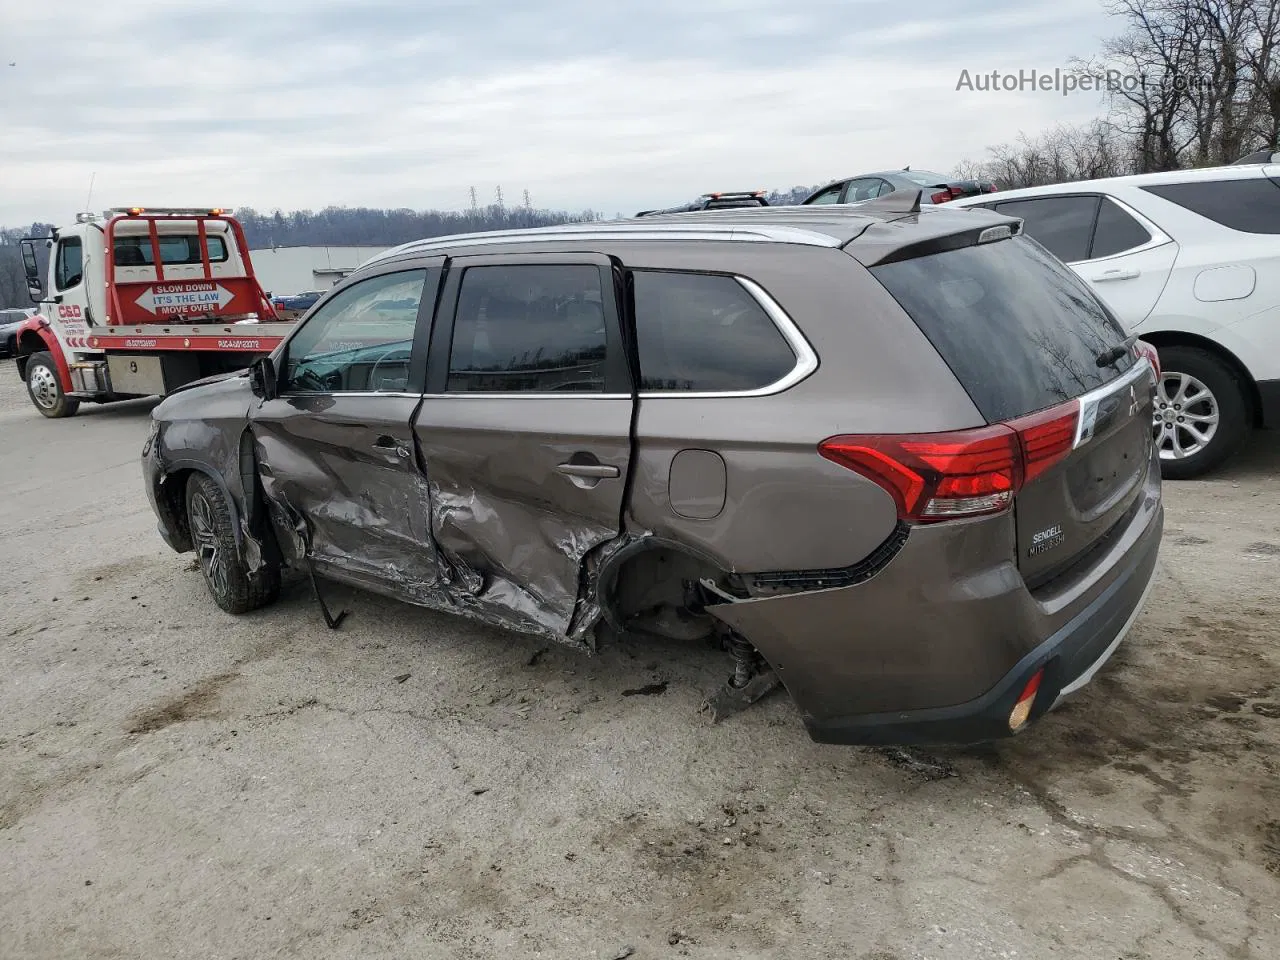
175 250
527 328
706 334
1250 206
1020 331
828 196
1063 224
1116 232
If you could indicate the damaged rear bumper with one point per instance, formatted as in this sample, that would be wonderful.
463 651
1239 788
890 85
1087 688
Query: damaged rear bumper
915 656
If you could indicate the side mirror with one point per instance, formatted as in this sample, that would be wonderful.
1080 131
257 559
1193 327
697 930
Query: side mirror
263 380
30 266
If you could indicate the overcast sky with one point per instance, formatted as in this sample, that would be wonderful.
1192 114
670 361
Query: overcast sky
616 105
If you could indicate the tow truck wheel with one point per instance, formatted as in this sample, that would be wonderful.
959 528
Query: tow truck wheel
233 587
45 388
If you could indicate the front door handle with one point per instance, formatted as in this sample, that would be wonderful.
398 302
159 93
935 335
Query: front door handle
596 471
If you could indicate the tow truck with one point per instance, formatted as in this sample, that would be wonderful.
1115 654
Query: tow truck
138 302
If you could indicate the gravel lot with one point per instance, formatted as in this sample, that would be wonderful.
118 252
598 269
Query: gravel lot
175 782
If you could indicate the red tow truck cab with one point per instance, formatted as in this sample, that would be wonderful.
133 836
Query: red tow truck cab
139 302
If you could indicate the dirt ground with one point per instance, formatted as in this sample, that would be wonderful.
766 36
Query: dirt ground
176 782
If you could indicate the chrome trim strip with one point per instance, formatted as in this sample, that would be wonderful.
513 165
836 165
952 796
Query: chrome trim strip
350 393
1090 401
806 363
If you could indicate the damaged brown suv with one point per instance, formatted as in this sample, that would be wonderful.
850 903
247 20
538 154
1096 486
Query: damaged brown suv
898 461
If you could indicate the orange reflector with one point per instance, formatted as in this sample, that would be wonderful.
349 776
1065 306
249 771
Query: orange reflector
1022 709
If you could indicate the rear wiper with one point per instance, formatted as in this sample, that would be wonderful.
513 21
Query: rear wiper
1108 357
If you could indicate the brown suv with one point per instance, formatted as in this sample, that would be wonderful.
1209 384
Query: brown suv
899 461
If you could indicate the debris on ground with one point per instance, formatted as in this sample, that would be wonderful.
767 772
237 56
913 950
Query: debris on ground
648 690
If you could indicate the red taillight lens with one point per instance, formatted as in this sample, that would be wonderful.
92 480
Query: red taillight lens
936 476
1147 350
942 196
1046 437
967 473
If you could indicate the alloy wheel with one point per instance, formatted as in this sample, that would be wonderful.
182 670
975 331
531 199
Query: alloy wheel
205 534
1185 417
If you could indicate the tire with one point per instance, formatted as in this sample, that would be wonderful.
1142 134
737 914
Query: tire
1207 393
233 588
44 387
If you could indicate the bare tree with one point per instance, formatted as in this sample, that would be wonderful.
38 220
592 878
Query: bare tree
1061 154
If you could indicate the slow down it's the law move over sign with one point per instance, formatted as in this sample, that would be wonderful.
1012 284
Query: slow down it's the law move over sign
183 301
179 299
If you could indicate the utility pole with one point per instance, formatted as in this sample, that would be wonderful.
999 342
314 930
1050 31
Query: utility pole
527 205
473 200
499 196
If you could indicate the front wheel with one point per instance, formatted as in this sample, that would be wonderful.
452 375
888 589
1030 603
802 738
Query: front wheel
1201 415
233 587
44 386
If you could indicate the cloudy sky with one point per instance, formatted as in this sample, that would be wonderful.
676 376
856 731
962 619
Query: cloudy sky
615 105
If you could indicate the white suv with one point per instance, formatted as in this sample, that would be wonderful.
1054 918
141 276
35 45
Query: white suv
1190 261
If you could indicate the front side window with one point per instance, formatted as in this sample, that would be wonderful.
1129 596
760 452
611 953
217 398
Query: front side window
529 329
70 267
704 333
360 341
1250 206
175 250
1063 225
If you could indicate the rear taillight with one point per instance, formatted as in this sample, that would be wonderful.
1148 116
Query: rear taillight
966 473
943 196
1145 349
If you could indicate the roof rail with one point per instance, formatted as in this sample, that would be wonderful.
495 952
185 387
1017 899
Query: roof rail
619 230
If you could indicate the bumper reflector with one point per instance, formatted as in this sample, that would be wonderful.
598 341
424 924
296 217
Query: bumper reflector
1022 709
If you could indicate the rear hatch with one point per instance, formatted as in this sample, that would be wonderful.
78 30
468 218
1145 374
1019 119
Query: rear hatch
1037 350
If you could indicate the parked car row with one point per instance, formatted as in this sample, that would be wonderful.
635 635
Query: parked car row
1188 259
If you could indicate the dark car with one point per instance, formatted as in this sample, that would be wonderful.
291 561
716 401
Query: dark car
10 321
723 200
936 187
897 461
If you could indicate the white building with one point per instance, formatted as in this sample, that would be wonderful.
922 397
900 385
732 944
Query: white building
284 271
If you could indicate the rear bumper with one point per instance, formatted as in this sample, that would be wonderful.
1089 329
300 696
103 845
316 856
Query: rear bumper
938 645
1070 659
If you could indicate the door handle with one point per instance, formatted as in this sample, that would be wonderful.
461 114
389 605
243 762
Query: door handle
596 471
1117 274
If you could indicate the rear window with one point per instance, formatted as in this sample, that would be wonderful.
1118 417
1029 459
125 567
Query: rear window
175 250
705 333
1250 206
1020 331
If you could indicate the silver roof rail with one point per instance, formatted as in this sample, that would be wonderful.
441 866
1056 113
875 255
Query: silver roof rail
621 231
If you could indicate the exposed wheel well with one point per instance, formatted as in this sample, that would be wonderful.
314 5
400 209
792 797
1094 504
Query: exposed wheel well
1176 338
653 588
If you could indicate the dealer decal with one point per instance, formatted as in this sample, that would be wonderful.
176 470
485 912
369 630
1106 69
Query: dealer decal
1046 540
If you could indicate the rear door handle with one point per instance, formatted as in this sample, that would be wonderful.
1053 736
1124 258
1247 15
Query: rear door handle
596 471
1117 274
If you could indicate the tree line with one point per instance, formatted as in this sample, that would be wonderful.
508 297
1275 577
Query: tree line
1193 83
